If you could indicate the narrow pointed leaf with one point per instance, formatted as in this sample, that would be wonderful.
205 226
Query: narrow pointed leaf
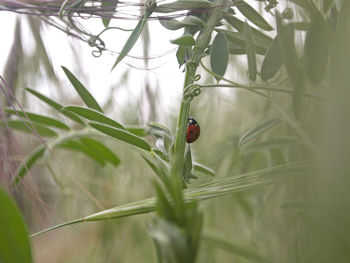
316 48
44 120
327 4
219 54
239 26
101 150
183 5
93 116
185 40
27 127
84 94
132 38
257 130
28 163
249 44
141 132
121 135
74 145
253 16
14 240
197 167
173 24
272 62
108 7
187 170
55 105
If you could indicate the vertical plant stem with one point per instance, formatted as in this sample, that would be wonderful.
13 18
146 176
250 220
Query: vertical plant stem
191 67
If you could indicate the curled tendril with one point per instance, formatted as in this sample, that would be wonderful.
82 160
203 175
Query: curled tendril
197 77
191 91
97 42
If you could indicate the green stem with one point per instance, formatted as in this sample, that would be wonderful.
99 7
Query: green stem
191 67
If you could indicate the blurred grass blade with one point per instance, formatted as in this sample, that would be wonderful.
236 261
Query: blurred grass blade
243 252
249 44
84 94
133 37
93 115
214 189
121 135
253 16
197 167
272 61
44 120
257 130
14 241
316 48
239 26
183 5
186 40
219 54
327 4
28 163
269 145
27 127
55 105
108 7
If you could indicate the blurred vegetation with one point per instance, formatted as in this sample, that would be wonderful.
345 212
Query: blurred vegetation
272 102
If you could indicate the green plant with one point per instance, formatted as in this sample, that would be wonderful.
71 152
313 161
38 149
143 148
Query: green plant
288 148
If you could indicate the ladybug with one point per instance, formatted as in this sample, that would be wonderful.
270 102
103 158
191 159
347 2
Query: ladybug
193 130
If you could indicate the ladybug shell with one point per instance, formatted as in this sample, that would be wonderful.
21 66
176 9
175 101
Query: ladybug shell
193 132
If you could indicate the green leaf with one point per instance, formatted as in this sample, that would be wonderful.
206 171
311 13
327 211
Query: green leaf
181 55
158 127
197 167
93 149
44 120
14 237
253 16
55 105
25 126
183 5
269 145
185 40
173 24
84 94
101 150
290 60
257 130
219 54
28 163
141 132
272 61
239 25
287 47
238 39
250 51
133 37
316 48
93 116
187 171
74 145
108 7
121 135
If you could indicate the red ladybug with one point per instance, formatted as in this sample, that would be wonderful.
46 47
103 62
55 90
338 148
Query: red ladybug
193 130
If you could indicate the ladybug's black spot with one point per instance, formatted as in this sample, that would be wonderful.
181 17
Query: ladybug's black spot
191 131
